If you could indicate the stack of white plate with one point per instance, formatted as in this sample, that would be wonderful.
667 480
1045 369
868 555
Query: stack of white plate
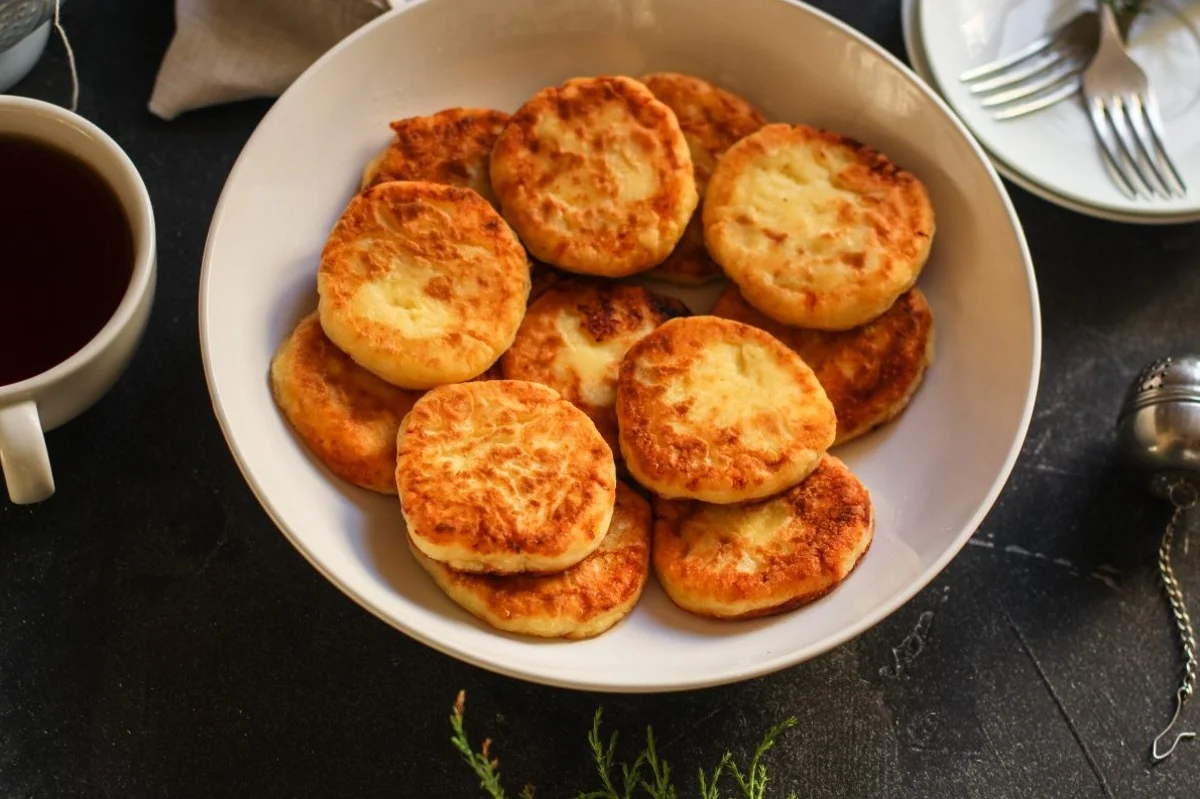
1053 153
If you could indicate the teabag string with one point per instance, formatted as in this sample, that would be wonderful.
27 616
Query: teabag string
62 34
1184 496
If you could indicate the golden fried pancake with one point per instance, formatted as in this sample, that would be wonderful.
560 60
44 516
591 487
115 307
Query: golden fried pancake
712 120
870 372
347 416
452 147
719 411
422 283
580 602
574 337
817 230
742 561
503 476
595 176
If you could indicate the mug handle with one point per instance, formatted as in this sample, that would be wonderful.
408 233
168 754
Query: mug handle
23 455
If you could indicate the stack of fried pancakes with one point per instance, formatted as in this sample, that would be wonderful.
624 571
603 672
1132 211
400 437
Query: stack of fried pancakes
479 350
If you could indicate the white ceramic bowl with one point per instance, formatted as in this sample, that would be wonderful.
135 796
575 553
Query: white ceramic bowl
933 474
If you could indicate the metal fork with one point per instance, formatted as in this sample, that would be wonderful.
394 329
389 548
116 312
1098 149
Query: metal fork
1041 73
1125 116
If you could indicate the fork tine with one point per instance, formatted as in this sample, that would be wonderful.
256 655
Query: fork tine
1020 72
1048 81
1149 106
1028 51
1038 103
1108 147
1155 155
1116 112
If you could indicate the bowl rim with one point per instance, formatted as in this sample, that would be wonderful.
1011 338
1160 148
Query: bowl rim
729 674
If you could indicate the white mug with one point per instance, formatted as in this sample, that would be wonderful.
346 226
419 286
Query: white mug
40 403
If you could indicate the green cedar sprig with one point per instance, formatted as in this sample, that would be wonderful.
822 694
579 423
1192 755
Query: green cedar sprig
648 776
486 767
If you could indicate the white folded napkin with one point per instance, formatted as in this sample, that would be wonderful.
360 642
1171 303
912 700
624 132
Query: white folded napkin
227 50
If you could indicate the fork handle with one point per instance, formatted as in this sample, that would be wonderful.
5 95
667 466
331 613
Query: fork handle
1110 29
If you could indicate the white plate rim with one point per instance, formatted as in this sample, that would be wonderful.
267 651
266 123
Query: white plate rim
1026 180
911 24
729 674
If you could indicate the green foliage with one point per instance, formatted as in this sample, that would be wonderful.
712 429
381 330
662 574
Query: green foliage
648 777
486 768
708 788
753 783
603 757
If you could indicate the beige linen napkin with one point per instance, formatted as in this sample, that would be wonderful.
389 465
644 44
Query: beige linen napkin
227 50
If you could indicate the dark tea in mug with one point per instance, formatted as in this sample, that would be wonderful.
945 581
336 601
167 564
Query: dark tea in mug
66 256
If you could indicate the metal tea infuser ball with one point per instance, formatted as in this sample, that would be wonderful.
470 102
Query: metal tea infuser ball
24 28
1158 434
23 34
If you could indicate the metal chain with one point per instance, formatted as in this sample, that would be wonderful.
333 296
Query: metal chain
1184 497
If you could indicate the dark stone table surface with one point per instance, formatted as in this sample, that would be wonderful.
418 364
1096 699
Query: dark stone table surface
159 637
